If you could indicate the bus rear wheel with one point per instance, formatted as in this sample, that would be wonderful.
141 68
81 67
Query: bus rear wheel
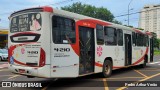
107 68
1 59
145 62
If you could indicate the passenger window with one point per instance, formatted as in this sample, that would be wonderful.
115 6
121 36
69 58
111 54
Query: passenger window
110 36
100 37
120 37
134 38
63 30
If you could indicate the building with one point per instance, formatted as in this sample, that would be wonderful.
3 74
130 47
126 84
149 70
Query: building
3 38
150 19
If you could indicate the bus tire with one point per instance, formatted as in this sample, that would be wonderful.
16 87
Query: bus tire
1 59
30 76
107 68
145 62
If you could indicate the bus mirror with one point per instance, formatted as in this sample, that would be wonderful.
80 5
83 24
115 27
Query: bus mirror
9 18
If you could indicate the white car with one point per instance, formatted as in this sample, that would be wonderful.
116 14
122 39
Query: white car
3 54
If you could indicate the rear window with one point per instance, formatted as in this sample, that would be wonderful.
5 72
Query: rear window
26 22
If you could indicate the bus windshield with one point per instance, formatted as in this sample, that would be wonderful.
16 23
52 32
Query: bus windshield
26 22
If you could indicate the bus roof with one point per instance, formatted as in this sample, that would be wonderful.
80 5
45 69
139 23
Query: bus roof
78 17
35 9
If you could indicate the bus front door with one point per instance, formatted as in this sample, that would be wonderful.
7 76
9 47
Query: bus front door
128 49
86 42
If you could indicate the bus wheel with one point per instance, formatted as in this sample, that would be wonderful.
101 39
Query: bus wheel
0 59
30 76
107 68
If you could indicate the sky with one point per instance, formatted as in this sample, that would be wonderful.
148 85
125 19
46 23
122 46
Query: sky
116 7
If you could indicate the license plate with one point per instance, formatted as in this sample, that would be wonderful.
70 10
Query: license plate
21 70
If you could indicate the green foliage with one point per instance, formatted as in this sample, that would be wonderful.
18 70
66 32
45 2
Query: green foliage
156 52
156 40
140 29
91 11
117 22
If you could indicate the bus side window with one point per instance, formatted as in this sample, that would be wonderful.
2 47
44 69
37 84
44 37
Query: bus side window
100 35
133 38
110 36
63 30
120 37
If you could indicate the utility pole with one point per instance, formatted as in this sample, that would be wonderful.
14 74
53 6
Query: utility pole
128 11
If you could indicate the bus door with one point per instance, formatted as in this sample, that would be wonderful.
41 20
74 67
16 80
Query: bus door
86 42
151 50
128 49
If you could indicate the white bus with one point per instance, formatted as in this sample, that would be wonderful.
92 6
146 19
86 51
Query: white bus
51 43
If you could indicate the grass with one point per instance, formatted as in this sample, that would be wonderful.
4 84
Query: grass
156 52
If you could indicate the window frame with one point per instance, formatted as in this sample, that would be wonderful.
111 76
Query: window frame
134 39
118 37
97 30
64 29
114 37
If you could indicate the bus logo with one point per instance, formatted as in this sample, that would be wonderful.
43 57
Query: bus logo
22 50
99 51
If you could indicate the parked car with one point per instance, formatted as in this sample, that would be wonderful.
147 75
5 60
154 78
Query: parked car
3 54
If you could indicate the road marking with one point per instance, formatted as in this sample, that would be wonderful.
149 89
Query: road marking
140 73
105 84
154 62
125 78
14 76
4 70
5 75
149 70
3 65
121 88
45 88
49 84
152 68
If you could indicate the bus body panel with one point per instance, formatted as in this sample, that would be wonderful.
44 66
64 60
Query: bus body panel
64 61
44 58
27 55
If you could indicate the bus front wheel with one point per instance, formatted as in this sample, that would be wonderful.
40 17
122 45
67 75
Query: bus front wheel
107 68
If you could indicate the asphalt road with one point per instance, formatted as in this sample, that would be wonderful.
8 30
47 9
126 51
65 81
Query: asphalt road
132 78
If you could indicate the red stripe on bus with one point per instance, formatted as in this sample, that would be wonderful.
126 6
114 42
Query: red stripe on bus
86 23
47 9
98 64
42 60
98 22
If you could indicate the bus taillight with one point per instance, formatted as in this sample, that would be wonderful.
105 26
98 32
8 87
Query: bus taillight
42 60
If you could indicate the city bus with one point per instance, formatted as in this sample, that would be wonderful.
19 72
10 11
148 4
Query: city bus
51 43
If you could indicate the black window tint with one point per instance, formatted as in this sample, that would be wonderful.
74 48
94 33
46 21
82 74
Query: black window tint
120 37
110 36
100 37
146 40
140 39
134 38
63 30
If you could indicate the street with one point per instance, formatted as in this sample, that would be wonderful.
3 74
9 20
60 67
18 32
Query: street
121 79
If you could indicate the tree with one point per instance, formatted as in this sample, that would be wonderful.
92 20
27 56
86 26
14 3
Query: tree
156 40
117 22
91 11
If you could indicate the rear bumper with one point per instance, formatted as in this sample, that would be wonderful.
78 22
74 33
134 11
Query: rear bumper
31 71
